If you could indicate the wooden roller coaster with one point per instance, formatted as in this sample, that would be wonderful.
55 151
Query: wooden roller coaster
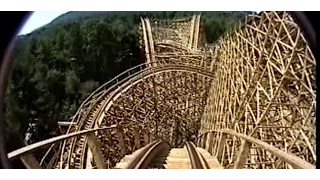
246 101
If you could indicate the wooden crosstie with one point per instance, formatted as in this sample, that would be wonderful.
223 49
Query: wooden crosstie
248 99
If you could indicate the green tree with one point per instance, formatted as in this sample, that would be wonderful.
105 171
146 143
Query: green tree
57 66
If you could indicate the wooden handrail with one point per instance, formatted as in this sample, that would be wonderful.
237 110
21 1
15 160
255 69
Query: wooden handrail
292 159
35 146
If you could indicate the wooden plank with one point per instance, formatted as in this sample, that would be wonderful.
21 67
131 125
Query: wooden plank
95 149
178 159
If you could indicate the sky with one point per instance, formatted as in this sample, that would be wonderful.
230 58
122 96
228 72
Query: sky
38 19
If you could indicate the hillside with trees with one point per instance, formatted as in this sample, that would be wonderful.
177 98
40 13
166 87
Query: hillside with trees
58 65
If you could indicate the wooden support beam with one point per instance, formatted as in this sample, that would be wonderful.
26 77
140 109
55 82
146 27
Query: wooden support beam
199 142
222 142
30 161
146 43
121 142
137 139
209 142
242 155
191 32
145 139
151 44
95 149
196 32
203 141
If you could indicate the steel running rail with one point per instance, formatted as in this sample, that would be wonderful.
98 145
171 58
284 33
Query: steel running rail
197 161
146 154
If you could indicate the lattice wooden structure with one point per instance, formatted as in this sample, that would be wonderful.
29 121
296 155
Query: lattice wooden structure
264 87
249 98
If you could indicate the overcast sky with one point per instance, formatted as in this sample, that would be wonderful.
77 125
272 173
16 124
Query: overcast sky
38 19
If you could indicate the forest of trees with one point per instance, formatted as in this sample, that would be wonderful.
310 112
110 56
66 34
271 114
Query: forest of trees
58 65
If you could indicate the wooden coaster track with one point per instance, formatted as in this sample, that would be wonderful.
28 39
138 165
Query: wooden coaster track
248 99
